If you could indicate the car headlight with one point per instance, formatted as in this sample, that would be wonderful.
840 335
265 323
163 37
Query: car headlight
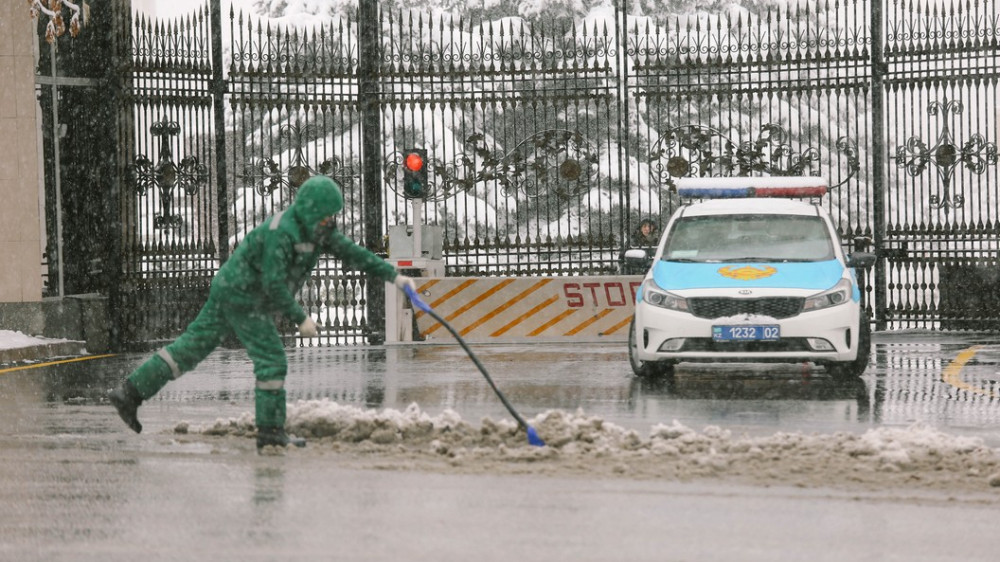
839 294
656 296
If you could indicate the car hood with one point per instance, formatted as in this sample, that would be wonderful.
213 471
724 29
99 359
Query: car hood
678 276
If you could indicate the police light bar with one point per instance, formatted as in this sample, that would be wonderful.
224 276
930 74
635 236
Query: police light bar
727 188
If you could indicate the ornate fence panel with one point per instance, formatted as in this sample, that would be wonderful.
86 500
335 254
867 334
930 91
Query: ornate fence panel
169 212
777 93
293 97
520 121
942 195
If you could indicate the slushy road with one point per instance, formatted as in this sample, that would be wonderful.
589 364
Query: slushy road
76 485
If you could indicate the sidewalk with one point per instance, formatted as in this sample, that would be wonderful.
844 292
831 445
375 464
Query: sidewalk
16 347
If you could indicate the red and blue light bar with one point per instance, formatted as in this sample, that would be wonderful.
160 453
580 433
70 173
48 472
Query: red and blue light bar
732 188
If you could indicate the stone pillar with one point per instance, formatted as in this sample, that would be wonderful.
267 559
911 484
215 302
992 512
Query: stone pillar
21 231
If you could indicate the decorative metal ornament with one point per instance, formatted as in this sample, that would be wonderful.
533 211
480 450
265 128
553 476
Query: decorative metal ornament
976 153
699 150
267 176
190 174
553 162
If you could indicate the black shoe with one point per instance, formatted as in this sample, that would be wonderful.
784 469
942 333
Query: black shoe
276 436
126 400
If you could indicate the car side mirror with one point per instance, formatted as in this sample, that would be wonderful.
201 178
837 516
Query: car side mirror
637 262
862 260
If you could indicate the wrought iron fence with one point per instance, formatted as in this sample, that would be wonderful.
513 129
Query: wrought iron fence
941 229
550 139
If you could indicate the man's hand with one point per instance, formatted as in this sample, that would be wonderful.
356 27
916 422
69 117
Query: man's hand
403 281
307 328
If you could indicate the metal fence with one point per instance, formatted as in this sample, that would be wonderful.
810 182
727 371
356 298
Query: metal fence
550 139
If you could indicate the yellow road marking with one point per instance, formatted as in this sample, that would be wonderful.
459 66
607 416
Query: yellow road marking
952 374
50 363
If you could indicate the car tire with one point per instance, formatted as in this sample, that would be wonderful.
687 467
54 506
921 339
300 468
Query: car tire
853 369
644 369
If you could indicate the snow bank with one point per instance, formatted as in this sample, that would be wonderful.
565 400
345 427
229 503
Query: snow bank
10 339
917 455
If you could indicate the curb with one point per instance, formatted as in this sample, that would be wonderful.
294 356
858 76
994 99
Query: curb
42 352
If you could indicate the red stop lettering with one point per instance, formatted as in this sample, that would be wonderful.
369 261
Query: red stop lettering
573 297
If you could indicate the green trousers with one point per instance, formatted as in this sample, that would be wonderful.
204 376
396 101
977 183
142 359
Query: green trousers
255 330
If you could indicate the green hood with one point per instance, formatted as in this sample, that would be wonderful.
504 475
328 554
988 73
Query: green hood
318 198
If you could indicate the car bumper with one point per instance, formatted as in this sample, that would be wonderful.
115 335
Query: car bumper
820 336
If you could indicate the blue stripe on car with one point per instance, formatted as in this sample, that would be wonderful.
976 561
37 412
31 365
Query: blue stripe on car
676 276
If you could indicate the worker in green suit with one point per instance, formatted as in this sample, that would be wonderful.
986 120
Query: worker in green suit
258 282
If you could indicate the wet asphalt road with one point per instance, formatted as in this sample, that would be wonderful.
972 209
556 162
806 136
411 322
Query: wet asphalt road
76 485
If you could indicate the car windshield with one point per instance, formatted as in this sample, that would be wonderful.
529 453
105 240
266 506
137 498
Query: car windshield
749 238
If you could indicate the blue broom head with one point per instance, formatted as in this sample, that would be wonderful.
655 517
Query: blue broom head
533 438
416 300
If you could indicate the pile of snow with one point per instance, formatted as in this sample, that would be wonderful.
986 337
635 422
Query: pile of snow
15 340
916 455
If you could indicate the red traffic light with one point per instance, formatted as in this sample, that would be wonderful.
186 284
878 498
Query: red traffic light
414 162
415 173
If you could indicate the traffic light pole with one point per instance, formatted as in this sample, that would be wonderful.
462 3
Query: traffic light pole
409 256
418 220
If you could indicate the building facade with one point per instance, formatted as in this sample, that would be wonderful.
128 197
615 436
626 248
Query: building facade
21 220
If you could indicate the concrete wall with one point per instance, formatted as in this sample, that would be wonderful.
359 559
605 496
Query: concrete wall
21 230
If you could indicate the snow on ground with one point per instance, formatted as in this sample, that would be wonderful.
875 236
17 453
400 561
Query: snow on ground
16 340
917 457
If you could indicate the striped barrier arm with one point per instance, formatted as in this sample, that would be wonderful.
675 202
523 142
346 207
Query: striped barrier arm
529 309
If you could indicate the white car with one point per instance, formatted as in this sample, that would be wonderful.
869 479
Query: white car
751 271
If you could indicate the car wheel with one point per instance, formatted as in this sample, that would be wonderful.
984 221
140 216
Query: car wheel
644 368
856 368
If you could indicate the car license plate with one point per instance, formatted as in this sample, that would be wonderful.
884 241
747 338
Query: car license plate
746 333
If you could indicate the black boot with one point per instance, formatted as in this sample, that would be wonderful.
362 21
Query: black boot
126 400
276 436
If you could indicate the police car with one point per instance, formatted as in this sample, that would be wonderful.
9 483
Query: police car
751 269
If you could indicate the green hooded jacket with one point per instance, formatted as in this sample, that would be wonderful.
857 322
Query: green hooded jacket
270 265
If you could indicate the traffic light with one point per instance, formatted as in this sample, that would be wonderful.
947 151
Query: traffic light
415 173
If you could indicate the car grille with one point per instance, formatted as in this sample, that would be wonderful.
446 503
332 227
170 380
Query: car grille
776 307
